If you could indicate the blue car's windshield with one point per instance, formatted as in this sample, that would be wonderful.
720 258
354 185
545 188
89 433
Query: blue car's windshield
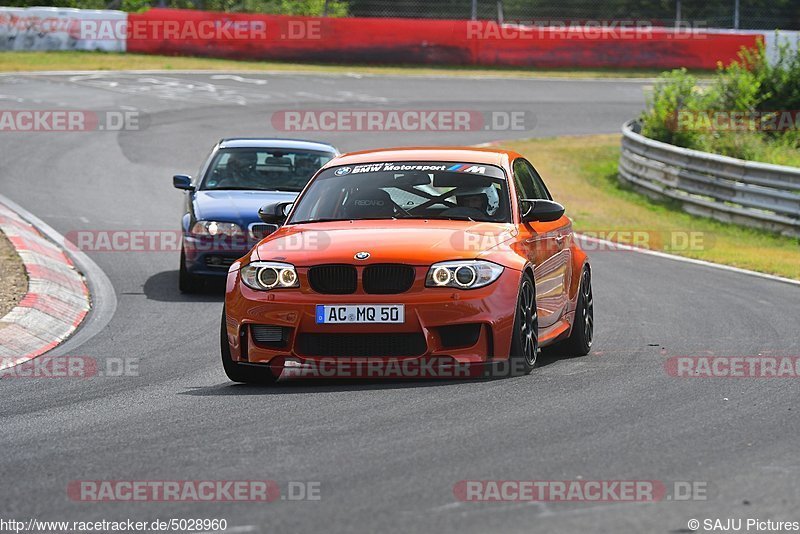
263 169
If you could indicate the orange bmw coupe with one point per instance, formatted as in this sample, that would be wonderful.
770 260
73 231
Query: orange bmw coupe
409 254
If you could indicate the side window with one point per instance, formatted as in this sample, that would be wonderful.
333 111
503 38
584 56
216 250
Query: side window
538 183
523 180
529 183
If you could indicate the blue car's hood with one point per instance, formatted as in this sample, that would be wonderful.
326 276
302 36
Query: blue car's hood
235 206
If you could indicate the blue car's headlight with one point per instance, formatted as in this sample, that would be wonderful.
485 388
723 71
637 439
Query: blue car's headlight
468 274
266 275
216 229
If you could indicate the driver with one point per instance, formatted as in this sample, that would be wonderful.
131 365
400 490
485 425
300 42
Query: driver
241 168
305 166
484 199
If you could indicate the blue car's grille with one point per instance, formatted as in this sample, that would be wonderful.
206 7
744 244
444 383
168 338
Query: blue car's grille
259 231
219 262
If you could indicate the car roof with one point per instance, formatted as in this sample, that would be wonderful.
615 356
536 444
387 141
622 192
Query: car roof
487 156
270 142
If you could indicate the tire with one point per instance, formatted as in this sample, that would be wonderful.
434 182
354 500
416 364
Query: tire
579 342
525 337
187 282
235 371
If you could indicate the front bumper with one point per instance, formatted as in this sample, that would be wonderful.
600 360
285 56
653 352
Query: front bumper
488 312
209 257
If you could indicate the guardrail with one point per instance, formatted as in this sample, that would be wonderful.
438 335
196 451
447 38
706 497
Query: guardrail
727 189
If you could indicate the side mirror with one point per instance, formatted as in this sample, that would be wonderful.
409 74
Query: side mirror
275 213
540 210
182 181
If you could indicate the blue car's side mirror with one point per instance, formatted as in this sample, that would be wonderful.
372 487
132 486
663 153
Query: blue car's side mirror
182 181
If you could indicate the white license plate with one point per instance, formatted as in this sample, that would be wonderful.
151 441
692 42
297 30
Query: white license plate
360 313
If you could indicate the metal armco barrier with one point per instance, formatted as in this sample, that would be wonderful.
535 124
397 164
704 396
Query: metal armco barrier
727 189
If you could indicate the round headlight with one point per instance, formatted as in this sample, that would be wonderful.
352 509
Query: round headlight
441 276
268 277
288 277
466 275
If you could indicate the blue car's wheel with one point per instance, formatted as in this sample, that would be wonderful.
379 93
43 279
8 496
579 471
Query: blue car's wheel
187 282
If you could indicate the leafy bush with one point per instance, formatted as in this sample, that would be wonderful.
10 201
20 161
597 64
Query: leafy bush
310 8
750 84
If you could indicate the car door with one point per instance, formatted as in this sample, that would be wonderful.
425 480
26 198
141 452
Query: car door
547 248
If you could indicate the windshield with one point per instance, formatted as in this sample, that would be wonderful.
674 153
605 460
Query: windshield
424 190
263 169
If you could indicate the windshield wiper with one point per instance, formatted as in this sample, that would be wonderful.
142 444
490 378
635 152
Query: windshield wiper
453 218
285 190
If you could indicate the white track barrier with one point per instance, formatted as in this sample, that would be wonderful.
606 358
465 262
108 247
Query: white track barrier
53 28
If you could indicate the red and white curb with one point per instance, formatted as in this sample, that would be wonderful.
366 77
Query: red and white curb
57 300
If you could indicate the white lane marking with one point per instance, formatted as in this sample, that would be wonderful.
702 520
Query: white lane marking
344 74
684 259
164 87
240 79
361 97
544 510
315 96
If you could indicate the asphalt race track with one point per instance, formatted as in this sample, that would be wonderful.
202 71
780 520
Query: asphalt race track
387 455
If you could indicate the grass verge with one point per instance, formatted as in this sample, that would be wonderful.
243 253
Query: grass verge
581 172
76 60
13 279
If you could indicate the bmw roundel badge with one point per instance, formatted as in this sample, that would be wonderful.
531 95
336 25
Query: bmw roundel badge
341 171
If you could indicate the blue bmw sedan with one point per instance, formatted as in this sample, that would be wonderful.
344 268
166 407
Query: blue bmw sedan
220 221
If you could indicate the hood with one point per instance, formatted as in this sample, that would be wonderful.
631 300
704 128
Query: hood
413 242
240 207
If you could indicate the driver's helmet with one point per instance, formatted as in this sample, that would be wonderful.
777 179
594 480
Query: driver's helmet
241 163
485 199
305 164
